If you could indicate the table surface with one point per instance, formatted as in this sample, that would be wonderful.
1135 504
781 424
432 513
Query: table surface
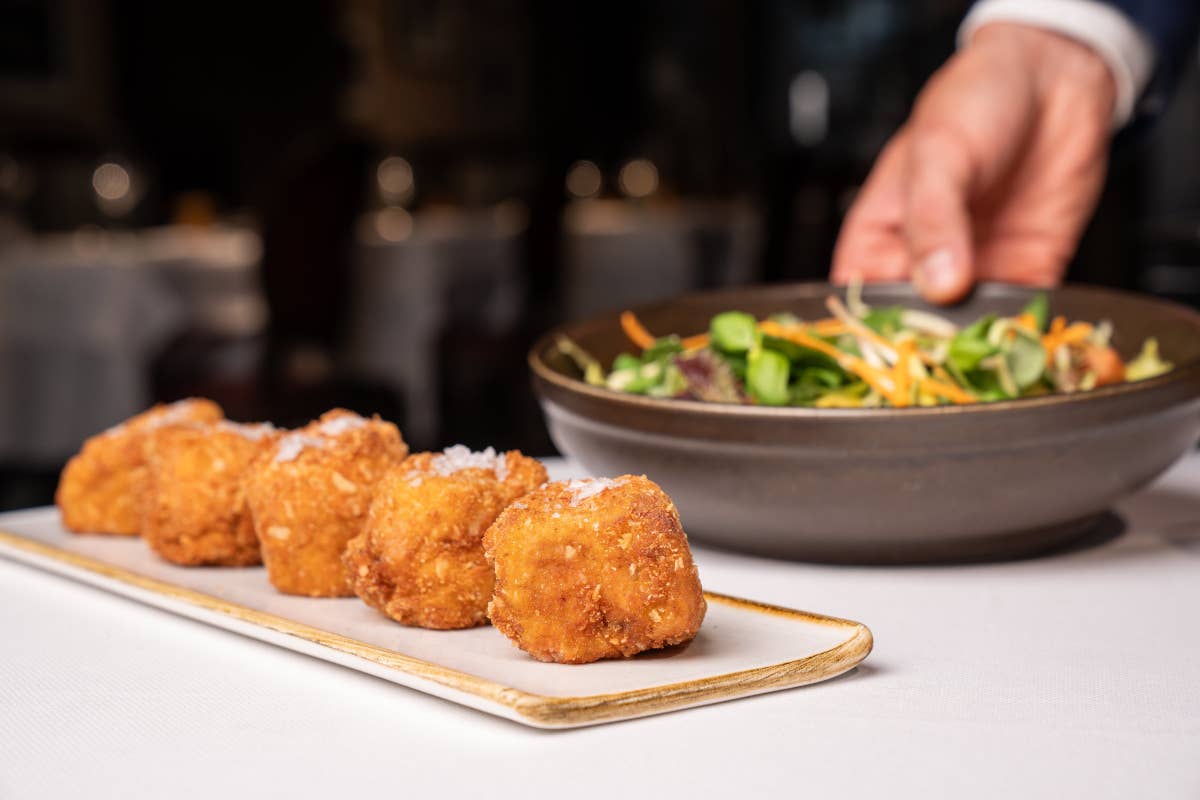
1071 675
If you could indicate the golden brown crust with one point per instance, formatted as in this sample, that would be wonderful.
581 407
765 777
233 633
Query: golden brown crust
582 576
102 487
419 559
195 509
310 496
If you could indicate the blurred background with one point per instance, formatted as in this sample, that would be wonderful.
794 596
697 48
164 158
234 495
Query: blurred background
380 205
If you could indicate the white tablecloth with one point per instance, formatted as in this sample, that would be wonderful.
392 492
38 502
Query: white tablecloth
1075 675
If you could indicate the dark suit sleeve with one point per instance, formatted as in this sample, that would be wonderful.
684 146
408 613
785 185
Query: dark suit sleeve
1172 26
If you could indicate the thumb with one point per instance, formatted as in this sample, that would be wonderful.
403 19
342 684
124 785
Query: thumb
937 224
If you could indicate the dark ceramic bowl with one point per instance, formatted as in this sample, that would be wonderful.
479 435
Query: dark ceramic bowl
904 485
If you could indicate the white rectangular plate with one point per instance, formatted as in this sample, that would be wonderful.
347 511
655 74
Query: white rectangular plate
743 648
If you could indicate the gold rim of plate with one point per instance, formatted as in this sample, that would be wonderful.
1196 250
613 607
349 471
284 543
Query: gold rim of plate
542 710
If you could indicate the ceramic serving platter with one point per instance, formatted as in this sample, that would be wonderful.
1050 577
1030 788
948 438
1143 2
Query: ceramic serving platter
744 648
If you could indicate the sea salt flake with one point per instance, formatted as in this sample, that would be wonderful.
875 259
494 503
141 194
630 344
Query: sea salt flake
176 413
585 488
459 457
339 425
173 414
252 431
294 444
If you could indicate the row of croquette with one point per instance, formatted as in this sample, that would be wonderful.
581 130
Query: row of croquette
571 571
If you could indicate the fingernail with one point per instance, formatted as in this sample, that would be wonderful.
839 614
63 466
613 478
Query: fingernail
935 274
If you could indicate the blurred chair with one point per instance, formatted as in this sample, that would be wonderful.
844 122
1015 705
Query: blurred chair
415 279
395 317
620 254
214 272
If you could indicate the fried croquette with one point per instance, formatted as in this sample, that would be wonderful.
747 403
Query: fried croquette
592 569
310 496
101 488
195 504
419 559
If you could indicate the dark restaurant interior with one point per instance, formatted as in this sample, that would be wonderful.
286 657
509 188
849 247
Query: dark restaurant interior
381 205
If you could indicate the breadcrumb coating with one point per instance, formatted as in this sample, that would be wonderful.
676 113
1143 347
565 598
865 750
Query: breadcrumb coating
310 496
102 488
195 508
593 569
419 559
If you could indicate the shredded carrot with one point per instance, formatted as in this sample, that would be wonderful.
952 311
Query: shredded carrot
1052 337
1058 325
1061 333
634 330
828 327
695 342
939 373
821 327
1077 332
861 330
947 390
946 384
1026 321
900 374
877 379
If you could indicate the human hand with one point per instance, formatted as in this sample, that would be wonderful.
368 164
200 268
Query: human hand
995 173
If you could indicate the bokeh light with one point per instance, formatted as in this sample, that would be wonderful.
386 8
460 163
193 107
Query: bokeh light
111 181
638 178
395 178
584 180
116 190
393 224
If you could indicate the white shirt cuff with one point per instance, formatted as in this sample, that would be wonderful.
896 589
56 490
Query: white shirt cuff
1126 50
